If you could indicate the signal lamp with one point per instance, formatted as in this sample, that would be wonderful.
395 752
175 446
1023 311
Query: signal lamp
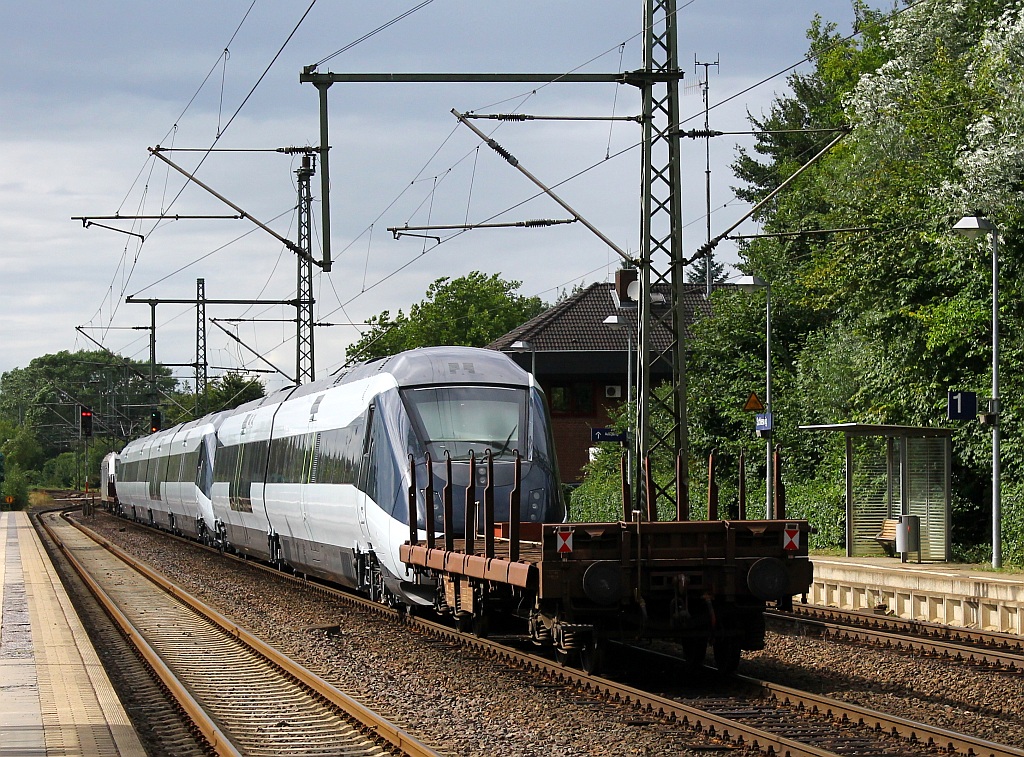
86 421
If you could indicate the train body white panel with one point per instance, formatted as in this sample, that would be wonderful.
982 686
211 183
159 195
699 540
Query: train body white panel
109 469
163 478
239 469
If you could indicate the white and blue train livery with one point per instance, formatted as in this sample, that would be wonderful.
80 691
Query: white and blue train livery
316 478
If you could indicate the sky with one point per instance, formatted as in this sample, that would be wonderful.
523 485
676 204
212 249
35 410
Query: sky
88 88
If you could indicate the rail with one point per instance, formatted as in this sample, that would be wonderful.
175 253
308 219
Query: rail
382 730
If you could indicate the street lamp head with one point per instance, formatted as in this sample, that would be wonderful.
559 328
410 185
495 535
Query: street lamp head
974 227
521 345
616 321
750 283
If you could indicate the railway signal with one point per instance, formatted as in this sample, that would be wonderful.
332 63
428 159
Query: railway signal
154 421
86 421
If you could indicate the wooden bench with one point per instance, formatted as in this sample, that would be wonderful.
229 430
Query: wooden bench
887 536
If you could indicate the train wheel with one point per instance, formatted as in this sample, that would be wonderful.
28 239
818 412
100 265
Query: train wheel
592 656
481 625
463 621
727 654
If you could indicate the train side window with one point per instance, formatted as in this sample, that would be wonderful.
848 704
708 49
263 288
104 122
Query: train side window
189 466
204 475
156 467
291 460
224 466
340 454
279 449
252 468
234 488
367 479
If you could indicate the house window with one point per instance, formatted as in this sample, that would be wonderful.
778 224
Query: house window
572 399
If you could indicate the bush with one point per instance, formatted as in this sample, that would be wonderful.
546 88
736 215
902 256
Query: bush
823 505
15 485
61 472
1012 516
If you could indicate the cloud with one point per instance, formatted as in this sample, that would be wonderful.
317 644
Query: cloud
88 87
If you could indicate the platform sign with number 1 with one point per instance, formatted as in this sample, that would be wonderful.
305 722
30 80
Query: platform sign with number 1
961 406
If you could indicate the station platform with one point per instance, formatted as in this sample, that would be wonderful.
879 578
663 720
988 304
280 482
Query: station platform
55 698
953 594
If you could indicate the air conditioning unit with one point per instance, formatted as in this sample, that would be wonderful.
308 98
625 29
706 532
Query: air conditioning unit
613 391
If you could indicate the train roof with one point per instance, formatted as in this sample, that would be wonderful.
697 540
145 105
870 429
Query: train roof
445 365
420 367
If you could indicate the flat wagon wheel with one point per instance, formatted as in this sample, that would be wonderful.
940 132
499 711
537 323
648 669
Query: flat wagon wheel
592 654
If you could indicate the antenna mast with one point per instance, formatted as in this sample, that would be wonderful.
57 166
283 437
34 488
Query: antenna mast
704 86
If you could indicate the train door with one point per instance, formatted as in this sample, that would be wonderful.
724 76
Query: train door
366 472
308 492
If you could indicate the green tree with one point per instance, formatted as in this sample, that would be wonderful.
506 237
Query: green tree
231 390
222 393
46 396
875 326
698 272
15 485
471 311
23 449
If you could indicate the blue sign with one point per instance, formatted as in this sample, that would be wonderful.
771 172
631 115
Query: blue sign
961 406
763 422
607 435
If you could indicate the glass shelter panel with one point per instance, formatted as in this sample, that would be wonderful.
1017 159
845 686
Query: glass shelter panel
927 474
874 498
891 472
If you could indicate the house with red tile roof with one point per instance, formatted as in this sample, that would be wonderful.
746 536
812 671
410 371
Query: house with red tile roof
581 362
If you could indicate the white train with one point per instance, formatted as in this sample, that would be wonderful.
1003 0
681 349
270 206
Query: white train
316 478
109 468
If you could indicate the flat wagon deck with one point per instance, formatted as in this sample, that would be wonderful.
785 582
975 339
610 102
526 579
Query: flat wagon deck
578 584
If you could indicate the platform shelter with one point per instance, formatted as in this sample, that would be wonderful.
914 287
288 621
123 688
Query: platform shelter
893 472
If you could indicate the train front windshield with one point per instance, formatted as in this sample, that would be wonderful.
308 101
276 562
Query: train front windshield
458 419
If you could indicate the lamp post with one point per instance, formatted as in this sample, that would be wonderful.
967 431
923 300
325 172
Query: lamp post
976 227
620 323
752 284
521 345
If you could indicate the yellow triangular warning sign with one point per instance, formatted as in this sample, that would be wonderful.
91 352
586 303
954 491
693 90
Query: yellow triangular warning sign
753 404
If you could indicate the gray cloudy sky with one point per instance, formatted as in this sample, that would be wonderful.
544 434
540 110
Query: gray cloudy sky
88 86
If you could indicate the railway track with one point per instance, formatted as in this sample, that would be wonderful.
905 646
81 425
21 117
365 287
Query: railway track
773 719
243 696
997 651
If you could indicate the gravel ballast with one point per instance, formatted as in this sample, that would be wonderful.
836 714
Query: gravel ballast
465 705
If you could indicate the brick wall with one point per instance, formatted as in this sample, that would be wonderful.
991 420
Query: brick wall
572 440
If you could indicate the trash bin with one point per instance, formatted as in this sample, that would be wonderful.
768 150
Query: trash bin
908 534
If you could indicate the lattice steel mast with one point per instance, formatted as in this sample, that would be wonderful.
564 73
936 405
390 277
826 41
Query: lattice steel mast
661 260
201 364
305 368
661 263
